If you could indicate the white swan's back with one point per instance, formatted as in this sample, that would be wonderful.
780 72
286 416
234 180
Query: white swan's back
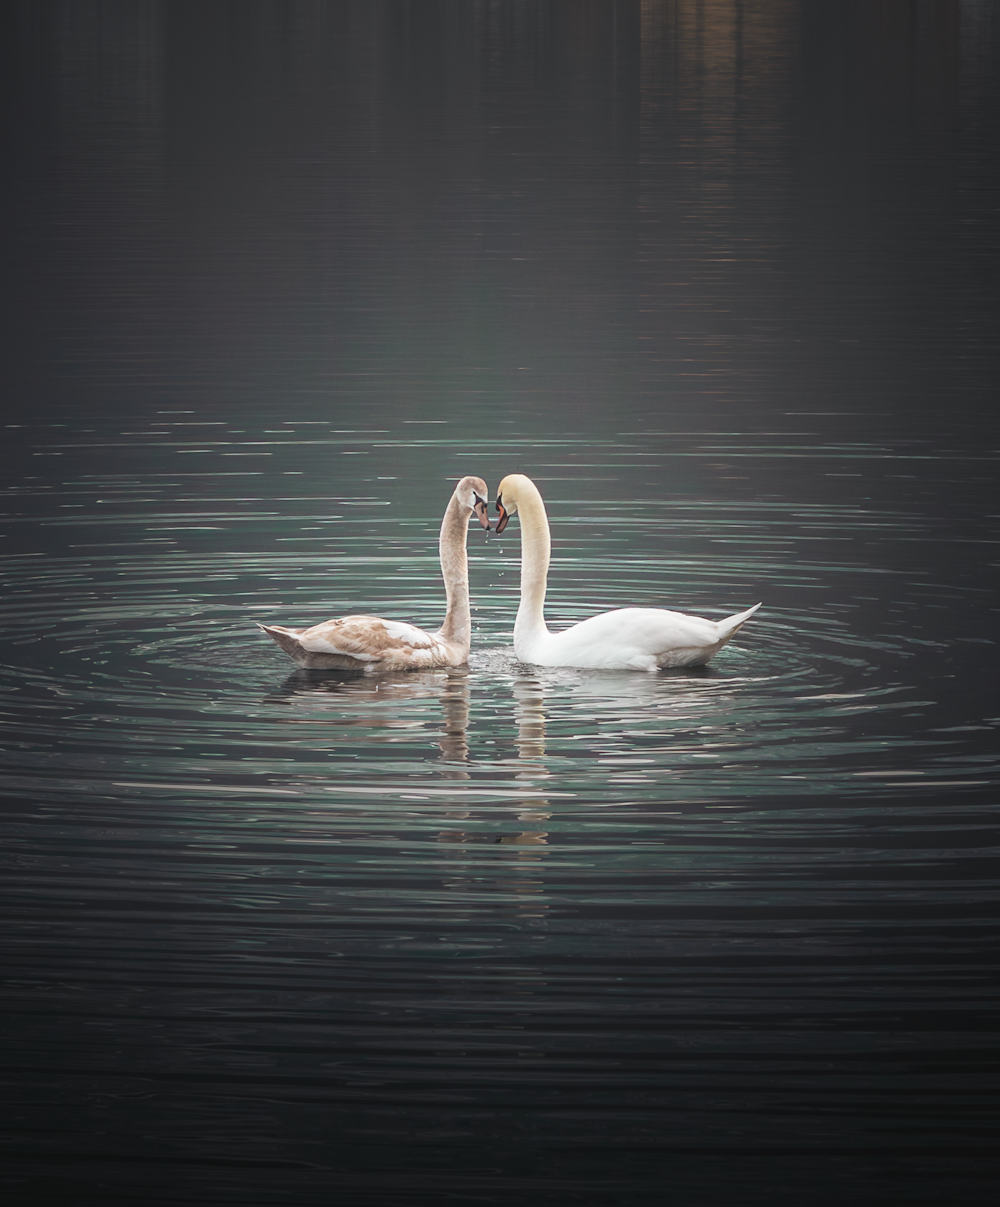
639 639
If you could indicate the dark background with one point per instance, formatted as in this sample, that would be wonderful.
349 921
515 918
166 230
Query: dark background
792 198
722 269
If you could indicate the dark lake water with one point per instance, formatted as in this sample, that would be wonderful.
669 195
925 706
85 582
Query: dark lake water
721 276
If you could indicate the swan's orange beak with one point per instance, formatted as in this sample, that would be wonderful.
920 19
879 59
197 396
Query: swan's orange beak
504 515
479 507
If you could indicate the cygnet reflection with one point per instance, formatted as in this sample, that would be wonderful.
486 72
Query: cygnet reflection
372 704
530 745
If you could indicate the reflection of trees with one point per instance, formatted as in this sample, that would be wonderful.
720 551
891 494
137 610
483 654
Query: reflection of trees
702 120
781 142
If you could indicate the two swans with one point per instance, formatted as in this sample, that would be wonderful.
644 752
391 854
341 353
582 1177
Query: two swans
626 639
369 643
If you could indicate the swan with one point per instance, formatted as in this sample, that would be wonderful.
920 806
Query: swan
641 639
369 643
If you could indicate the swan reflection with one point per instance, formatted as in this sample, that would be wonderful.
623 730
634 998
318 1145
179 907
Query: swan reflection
528 844
529 713
360 701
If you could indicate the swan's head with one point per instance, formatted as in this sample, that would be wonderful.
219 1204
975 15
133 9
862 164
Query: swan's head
513 488
475 494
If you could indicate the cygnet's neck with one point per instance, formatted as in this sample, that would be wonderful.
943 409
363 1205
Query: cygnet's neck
457 626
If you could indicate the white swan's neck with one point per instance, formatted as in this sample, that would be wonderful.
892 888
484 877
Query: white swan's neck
536 549
457 626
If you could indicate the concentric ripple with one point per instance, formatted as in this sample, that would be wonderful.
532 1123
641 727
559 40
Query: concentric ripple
378 899
154 661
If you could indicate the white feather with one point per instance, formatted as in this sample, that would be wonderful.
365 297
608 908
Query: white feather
399 630
625 639
318 644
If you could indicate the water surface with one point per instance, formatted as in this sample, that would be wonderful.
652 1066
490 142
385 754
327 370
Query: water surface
720 278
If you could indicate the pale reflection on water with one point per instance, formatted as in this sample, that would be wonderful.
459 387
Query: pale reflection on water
722 278
357 691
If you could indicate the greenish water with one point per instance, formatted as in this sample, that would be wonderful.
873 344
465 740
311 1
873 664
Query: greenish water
724 290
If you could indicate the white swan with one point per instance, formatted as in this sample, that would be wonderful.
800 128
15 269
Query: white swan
369 643
640 639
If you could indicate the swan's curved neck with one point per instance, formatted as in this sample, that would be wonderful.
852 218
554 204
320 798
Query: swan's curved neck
457 626
536 548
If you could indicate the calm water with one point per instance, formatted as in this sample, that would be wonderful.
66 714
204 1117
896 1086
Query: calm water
721 277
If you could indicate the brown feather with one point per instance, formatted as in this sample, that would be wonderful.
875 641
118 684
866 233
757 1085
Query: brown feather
366 643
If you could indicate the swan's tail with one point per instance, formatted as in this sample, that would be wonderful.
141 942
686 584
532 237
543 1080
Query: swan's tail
732 624
288 642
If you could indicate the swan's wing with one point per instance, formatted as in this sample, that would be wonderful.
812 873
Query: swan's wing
639 639
408 634
369 642
369 639
638 630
